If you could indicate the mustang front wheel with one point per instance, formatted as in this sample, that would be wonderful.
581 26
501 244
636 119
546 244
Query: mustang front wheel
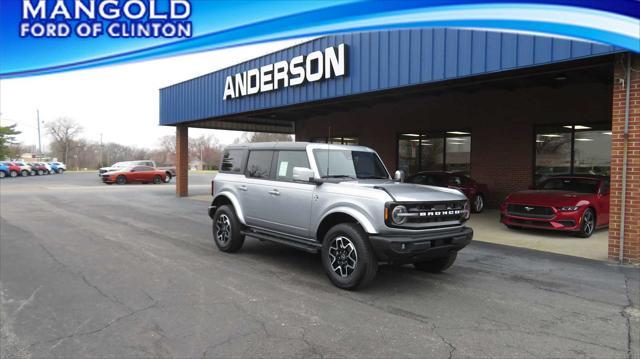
587 223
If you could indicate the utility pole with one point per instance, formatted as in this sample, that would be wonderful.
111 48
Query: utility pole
201 161
39 140
100 164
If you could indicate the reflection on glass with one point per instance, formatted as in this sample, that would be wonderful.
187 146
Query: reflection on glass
408 153
592 152
459 154
553 153
431 153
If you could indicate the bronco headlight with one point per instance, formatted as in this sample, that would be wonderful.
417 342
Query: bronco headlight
568 208
397 215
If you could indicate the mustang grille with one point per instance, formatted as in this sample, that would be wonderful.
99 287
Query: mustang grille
523 210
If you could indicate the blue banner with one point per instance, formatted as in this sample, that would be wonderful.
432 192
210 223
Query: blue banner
40 37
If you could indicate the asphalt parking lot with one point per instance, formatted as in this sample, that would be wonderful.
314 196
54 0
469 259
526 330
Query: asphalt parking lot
89 270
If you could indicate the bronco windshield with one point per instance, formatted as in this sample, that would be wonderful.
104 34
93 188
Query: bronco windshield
580 185
334 163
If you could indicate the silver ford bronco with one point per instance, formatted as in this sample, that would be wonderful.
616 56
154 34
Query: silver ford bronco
339 201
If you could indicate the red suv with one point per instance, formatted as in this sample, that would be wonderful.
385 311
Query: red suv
475 192
577 204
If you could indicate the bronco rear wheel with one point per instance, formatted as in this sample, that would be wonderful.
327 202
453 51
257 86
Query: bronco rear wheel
227 230
347 256
437 265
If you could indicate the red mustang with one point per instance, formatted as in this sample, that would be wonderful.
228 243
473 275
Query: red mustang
576 204
475 192
144 174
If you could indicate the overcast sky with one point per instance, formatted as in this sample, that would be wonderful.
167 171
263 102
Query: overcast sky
120 102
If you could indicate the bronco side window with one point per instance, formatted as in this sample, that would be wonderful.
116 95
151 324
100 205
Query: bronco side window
287 160
232 161
259 164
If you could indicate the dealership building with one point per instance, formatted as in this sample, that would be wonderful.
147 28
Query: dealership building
508 109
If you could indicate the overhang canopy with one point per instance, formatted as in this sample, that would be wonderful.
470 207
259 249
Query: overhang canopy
376 61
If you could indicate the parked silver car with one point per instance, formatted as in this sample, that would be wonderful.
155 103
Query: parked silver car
339 201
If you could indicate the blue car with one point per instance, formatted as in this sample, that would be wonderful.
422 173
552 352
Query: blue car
58 167
4 171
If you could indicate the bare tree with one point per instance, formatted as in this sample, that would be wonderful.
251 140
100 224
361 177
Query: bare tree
265 137
207 149
64 132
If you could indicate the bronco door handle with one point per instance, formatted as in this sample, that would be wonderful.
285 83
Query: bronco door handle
243 188
274 192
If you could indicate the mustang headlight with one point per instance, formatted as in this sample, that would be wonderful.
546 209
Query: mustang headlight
466 210
397 214
568 208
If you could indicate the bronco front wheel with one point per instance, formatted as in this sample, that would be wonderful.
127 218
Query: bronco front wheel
347 256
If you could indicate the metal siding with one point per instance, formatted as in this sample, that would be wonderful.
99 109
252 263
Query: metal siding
377 61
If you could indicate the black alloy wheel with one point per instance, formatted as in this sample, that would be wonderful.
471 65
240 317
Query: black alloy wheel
347 256
121 179
587 223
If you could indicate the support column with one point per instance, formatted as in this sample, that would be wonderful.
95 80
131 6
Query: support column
182 161
629 143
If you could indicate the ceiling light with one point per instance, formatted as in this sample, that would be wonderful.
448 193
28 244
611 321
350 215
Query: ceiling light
578 127
456 143
458 133
540 141
411 134
560 78
607 133
427 144
551 135
414 140
456 138
584 139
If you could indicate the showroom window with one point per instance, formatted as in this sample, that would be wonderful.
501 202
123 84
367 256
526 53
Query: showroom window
572 149
350 140
450 151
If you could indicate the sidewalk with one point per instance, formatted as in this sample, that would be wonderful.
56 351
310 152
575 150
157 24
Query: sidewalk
487 228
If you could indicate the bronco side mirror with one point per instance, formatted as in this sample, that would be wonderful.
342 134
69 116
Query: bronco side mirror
399 176
303 174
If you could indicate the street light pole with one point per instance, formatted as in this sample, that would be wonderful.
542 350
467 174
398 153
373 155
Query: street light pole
39 140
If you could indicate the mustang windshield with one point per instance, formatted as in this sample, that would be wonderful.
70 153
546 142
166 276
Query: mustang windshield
334 163
581 185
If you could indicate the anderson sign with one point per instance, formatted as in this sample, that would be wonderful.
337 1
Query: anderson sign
316 66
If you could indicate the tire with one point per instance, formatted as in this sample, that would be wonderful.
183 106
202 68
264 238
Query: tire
121 179
33 173
47 172
157 179
24 173
40 172
478 203
60 171
347 256
13 173
2 174
227 230
437 265
168 178
587 223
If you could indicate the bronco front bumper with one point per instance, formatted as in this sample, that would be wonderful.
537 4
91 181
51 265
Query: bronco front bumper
413 248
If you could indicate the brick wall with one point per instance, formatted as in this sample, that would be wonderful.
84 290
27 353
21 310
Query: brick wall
632 217
501 121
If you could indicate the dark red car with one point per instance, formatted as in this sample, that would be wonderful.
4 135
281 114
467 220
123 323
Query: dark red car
578 204
475 192
39 168
130 174
14 169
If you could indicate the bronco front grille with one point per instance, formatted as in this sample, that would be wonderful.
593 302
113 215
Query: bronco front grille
432 214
